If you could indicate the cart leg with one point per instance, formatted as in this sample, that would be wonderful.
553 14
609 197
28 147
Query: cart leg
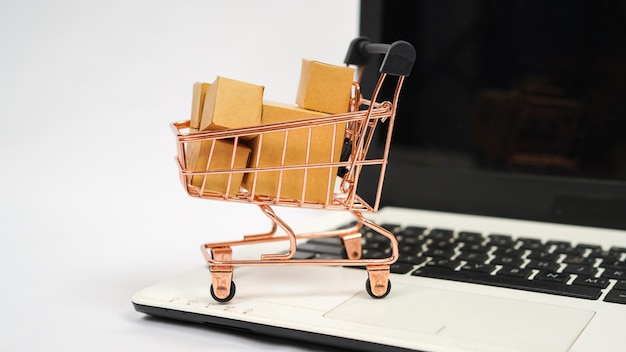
290 235
392 239
378 284
352 244
222 285
352 240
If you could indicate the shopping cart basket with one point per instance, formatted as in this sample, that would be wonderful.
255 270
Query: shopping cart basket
356 128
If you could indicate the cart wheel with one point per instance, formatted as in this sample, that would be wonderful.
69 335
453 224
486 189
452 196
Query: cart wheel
368 288
230 296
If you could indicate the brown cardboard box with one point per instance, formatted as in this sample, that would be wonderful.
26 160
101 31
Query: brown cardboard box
197 104
221 157
231 104
324 87
269 152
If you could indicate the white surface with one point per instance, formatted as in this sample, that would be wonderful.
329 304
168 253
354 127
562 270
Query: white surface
332 301
90 205
419 313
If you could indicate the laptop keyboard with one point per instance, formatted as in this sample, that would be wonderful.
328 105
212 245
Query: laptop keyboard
584 271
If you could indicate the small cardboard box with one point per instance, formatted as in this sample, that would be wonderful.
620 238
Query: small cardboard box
221 157
197 104
229 103
268 152
324 87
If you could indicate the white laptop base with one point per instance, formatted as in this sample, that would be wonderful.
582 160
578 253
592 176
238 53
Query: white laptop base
329 305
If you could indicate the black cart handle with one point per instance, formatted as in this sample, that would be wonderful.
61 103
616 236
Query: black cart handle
399 56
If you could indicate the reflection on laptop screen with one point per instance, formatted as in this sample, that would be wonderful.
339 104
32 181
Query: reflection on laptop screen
513 109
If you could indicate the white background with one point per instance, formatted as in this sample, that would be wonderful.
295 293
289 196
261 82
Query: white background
91 209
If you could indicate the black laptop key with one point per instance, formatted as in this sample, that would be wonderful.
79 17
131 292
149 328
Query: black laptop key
578 260
548 287
545 256
591 281
500 240
443 263
582 270
543 265
410 241
535 247
470 237
508 252
479 267
412 231
528 240
507 260
439 253
409 249
616 296
440 234
575 251
411 259
532 244
475 247
441 244
400 268
515 272
559 245
552 276
473 257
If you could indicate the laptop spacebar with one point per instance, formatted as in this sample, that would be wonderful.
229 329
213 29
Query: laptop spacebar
554 288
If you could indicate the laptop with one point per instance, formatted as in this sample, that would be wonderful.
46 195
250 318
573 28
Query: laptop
506 190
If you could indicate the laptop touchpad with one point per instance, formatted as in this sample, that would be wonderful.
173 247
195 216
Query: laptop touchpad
469 319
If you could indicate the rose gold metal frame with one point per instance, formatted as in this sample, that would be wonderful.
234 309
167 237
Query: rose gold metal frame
360 125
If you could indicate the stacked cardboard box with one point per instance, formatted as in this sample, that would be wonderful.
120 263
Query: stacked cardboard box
229 103
219 153
224 104
323 87
323 144
197 103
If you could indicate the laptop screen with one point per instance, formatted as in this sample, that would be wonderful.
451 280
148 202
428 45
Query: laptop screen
513 108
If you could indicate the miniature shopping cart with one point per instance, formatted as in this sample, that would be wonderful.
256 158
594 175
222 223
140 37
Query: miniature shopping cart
356 131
